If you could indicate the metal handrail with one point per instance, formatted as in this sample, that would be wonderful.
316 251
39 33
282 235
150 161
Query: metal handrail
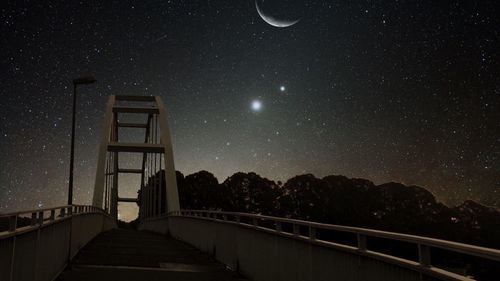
38 219
424 244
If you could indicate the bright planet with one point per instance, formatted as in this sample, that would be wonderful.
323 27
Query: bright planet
256 105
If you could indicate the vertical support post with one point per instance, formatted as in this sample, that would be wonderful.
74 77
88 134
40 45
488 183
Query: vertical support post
424 255
171 192
312 233
106 184
361 242
103 147
114 196
72 153
33 218
12 223
146 201
160 184
155 182
40 217
296 229
277 226
144 193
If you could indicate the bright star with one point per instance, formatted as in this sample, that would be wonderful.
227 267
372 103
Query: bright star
256 105
282 88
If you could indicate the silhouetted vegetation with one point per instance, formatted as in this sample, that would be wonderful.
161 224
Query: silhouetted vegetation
128 225
340 200
355 202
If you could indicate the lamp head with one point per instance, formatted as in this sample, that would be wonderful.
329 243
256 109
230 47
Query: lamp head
84 80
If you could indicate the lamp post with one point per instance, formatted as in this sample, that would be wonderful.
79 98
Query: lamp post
80 81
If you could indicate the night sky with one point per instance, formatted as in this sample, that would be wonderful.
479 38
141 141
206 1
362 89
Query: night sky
405 91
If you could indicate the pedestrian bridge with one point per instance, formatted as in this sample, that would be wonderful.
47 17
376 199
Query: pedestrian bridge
79 242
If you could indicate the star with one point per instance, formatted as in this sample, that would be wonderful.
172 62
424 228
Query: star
336 95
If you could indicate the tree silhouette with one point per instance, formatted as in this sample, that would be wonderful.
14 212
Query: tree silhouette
339 200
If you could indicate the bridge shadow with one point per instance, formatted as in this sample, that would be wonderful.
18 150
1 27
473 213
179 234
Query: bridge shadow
127 254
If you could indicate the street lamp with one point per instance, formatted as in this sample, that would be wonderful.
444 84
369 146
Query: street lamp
80 81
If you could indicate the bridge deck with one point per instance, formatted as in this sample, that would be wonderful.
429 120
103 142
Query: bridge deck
137 255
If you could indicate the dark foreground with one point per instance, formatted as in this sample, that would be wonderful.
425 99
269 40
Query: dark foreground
137 255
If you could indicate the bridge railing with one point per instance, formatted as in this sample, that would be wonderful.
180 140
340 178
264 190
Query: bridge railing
328 235
39 217
37 244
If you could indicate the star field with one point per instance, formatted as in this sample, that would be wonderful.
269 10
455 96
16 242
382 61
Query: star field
405 91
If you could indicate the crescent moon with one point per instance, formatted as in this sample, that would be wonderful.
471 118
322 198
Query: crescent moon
272 21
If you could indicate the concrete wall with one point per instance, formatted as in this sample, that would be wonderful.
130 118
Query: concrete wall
40 254
262 256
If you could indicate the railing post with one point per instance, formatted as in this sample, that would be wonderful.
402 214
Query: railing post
62 212
312 233
40 217
12 223
255 222
424 255
361 242
296 229
52 214
238 220
277 226
33 219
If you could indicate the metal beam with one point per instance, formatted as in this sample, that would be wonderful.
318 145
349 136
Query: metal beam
131 109
135 147
134 98
131 200
130 171
132 125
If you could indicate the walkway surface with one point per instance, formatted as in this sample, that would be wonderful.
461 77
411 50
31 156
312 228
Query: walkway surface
138 255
